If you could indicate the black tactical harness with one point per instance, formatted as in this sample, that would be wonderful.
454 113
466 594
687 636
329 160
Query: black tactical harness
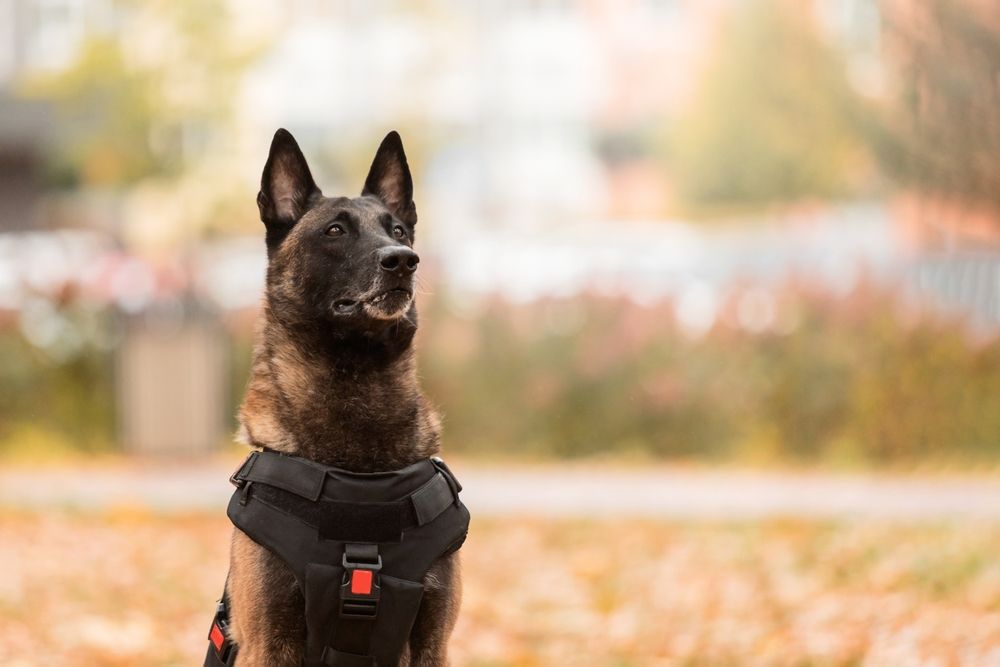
359 545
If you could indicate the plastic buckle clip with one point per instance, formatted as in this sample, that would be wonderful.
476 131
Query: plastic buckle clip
360 592
236 478
453 482
217 634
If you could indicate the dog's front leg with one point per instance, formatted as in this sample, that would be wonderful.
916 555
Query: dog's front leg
437 615
265 607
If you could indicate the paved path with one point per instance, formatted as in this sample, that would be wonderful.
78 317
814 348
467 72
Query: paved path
552 491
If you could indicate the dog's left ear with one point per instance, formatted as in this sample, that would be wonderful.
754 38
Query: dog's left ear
389 179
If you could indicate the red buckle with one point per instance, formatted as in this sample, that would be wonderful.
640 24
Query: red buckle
361 582
216 636
360 592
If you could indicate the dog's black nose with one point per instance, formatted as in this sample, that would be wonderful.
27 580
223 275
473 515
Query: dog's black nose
398 259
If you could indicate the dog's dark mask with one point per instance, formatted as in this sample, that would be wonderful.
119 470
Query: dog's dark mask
347 262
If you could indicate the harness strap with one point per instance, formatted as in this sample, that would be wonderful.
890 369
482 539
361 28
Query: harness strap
221 651
359 601
291 473
335 658
296 486
434 497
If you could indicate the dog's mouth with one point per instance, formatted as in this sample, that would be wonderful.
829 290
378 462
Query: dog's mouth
345 306
383 302
396 293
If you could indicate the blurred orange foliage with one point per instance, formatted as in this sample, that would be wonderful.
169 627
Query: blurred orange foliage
128 586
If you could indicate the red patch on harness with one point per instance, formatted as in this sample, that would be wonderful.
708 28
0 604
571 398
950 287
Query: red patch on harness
361 582
216 637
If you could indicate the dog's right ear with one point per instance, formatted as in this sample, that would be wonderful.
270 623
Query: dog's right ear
286 188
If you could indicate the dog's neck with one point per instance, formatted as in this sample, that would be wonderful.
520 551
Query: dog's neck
342 399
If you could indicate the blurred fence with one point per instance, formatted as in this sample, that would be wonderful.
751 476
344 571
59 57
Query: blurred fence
172 388
962 284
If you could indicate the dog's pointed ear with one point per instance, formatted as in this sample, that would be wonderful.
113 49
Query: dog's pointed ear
286 187
389 179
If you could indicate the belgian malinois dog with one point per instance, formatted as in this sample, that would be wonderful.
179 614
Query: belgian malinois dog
333 377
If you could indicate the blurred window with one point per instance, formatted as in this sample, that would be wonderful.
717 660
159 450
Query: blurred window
668 10
57 29
549 6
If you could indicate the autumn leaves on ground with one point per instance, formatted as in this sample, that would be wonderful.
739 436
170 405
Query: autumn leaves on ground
127 587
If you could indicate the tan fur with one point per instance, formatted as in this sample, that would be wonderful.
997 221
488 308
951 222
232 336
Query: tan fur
249 626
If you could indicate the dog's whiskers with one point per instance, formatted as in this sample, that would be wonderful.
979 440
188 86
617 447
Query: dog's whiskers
420 287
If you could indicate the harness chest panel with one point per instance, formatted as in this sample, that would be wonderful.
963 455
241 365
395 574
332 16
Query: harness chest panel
359 545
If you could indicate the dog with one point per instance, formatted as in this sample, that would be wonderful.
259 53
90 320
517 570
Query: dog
333 378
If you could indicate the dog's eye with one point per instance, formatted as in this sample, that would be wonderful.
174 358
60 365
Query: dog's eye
335 230
399 232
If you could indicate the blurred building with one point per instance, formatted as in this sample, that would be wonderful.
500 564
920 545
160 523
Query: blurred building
528 112
170 372
46 35
542 111
34 35
23 130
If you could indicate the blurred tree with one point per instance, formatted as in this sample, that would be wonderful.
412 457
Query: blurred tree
941 131
772 120
67 398
142 99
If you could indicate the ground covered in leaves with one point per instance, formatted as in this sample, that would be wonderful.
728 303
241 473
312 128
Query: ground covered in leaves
128 587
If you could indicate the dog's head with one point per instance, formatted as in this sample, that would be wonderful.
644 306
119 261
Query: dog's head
346 261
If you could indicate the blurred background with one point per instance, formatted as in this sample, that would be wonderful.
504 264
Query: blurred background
720 248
